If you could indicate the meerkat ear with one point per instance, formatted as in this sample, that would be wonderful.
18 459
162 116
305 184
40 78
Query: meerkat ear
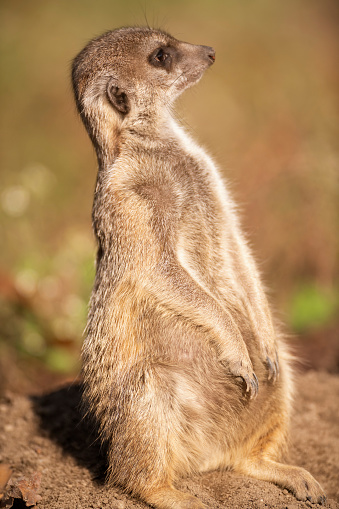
118 98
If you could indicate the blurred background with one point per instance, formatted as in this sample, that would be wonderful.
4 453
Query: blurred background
268 114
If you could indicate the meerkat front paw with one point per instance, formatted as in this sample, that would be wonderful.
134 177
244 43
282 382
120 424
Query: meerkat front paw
244 371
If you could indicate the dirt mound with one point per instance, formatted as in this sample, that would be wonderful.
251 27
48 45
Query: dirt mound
46 434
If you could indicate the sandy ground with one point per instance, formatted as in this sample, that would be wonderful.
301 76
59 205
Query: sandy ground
45 434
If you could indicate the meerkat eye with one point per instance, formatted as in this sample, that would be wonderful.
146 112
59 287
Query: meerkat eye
160 58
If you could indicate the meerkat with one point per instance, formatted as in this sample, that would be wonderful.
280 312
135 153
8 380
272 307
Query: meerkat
184 369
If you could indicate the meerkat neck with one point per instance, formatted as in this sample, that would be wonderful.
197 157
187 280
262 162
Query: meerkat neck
146 122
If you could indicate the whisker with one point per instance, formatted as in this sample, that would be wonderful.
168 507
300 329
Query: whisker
176 79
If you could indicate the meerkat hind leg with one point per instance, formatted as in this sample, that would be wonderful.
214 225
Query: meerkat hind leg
296 479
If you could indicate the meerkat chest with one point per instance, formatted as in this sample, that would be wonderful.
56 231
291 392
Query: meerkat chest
210 193
208 219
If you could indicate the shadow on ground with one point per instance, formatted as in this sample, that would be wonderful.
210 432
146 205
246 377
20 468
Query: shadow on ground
61 416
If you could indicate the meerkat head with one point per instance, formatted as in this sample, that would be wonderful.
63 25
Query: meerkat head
133 72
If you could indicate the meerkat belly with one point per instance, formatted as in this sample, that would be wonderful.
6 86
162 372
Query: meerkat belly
206 400
208 411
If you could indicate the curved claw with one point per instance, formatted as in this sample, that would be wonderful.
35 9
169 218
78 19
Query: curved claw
245 373
273 369
322 500
252 385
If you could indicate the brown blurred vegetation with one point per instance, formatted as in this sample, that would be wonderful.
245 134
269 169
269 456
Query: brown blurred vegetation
267 112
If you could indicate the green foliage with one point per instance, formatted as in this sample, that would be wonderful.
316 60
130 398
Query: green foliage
312 307
62 361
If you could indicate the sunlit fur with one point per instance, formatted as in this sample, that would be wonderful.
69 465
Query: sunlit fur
178 321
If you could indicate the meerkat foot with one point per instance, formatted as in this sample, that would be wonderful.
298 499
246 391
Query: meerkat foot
296 479
246 373
305 487
170 498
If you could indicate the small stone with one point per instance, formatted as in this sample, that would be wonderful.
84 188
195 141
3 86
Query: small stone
308 503
285 492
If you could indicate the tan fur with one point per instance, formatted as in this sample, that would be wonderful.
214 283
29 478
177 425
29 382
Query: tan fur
179 329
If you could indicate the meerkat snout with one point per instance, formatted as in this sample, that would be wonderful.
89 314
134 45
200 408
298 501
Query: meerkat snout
210 53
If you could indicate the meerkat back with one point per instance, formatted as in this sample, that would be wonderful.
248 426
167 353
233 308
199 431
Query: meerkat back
184 370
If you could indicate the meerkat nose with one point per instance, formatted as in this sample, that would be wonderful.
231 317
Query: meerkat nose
210 53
